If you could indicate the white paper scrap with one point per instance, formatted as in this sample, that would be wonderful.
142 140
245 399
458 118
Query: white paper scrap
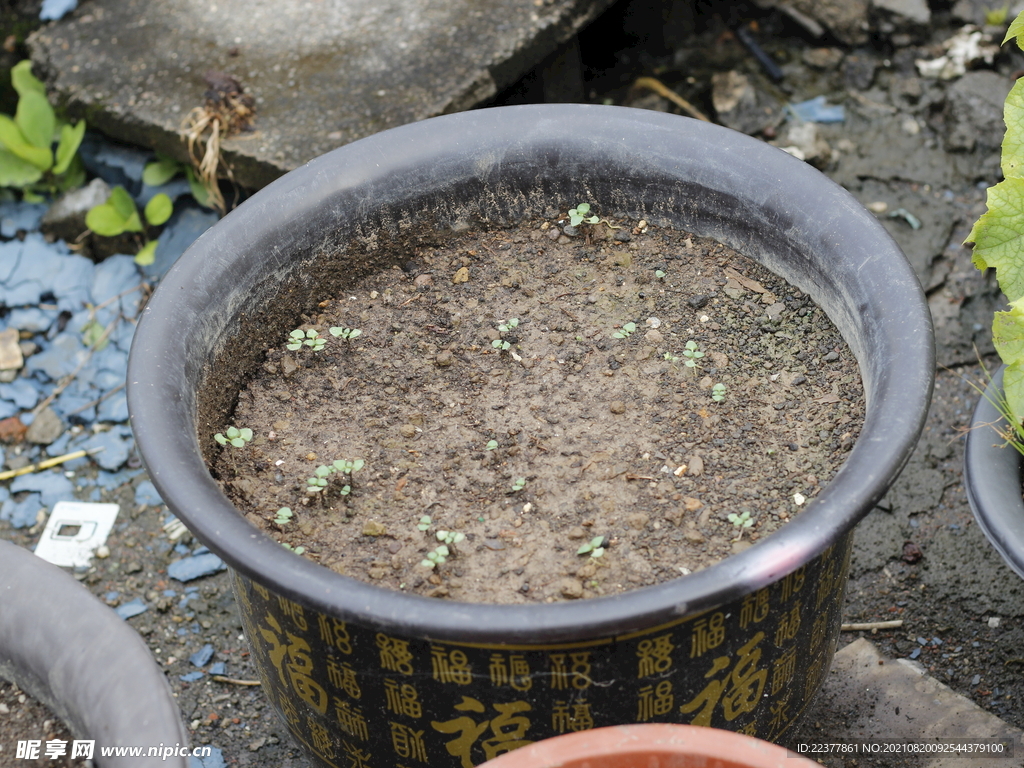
74 531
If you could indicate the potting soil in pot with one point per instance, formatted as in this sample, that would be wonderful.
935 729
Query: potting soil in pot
529 416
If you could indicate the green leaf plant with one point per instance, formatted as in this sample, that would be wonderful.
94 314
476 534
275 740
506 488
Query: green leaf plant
119 215
160 171
38 151
998 238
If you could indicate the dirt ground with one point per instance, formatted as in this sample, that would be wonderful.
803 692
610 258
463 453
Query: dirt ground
917 150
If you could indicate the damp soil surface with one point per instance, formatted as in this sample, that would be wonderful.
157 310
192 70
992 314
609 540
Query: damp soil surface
23 719
517 395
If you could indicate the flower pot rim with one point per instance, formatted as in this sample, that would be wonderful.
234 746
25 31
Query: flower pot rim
74 654
992 478
593 145
636 745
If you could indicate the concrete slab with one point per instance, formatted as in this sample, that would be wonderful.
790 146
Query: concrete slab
323 72
880 699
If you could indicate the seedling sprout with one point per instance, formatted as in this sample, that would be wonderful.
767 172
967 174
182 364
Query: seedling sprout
595 547
234 436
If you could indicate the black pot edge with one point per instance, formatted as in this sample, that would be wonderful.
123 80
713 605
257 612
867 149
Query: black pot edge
898 379
992 477
59 643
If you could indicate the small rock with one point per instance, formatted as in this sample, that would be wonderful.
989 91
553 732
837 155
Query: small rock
407 430
570 588
45 427
11 357
654 336
194 567
462 275
373 528
444 359
741 106
911 553
638 520
254 746
134 608
65 219
696 466
288 365
12 430
691 504
202 657
823 58
617 406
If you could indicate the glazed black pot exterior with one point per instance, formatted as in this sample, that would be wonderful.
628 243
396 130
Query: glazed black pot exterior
992 477
361 672
75 655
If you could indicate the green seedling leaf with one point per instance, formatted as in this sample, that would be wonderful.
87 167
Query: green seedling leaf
67 146
146 254
159 209
424 523
16 172
16 143
24 81
36 120
284 516
160 171
491 445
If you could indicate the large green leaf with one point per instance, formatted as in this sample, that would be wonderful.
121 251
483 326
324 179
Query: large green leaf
15 172
998 236
12 138
159 209
24 81
1013 388
1008 333
36 120
105 220
70 140
1013 140
160 171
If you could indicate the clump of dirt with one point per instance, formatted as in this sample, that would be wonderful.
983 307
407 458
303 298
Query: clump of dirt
517 395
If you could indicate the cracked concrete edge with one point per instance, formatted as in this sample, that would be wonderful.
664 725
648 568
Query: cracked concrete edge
899 700
160 128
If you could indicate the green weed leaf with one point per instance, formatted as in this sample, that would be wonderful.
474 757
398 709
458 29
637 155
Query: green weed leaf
1015 31
70 140
105 221
159 209
15 172
199 192
24 81
122 202
146 254
16 143
160 171
36 120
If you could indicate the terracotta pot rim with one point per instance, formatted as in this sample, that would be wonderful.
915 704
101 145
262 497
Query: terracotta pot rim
632 746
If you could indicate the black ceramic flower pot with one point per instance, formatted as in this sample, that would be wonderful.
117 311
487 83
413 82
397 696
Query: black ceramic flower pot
992 477
74 654
366 676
